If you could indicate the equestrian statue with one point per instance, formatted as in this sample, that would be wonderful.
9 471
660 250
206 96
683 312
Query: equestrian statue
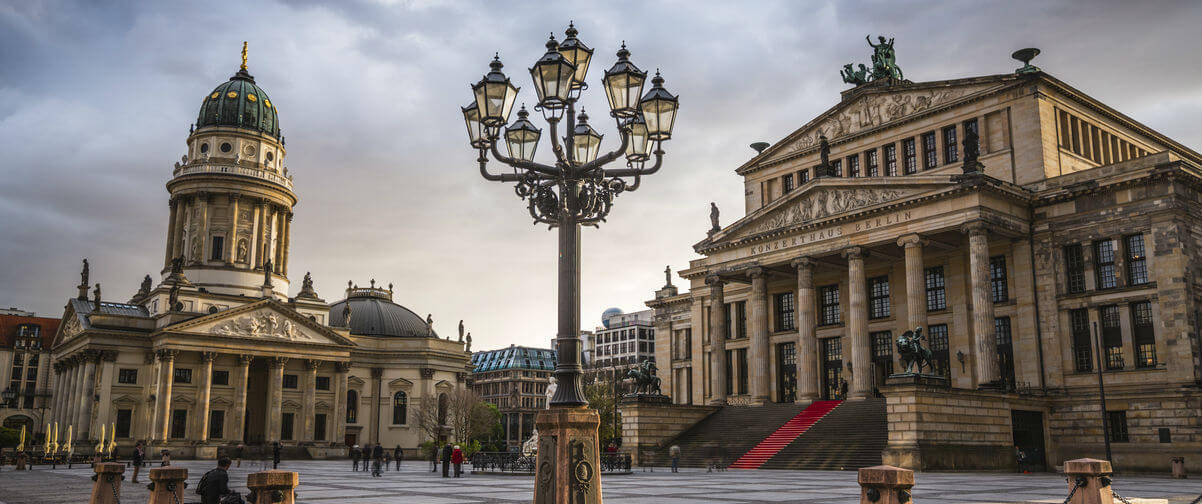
913 353
645 381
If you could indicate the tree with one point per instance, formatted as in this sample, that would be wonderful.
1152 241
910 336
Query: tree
601 396
464 416
427 418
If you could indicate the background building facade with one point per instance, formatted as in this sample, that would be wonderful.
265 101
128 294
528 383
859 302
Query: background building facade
25 365
514 379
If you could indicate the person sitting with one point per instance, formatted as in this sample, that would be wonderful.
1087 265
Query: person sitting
215 484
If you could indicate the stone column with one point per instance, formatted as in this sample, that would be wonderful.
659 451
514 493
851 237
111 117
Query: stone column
172 232
717 341
162 403
253 240
310 399
341 370
287 243
231 252
143 427
807 341
758 351
275 397
377 375
108 362
83 416
181 225
916 305
72 390
240 384
857 324
984 341
60 378
203 394
204 227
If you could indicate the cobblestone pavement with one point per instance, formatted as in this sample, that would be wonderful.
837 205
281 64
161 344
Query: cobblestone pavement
333 482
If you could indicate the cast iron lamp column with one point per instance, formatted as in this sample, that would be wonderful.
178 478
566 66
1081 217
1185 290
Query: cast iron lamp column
575 190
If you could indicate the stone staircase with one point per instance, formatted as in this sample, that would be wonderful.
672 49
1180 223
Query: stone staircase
727 434
783 436
851 436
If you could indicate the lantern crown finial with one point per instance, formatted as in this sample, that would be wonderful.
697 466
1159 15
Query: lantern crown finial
571 31
623 54
552 44
496 64
657 81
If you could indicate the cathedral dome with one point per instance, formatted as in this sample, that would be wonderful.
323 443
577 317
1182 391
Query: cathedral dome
240 103
374 314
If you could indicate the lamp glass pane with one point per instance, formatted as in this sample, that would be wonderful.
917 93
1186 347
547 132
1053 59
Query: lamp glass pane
660 115
522 143
471 117
638 148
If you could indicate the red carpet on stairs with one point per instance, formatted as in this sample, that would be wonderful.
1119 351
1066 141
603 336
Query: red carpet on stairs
776 442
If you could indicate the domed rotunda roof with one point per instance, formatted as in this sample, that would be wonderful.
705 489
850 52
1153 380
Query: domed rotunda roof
241 103
374 314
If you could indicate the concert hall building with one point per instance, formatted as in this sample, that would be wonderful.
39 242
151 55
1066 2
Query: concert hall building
1080 222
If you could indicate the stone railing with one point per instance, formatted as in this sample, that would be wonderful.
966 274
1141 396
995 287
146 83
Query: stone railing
234 170
516 463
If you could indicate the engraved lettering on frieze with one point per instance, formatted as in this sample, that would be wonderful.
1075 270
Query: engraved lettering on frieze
261 325
876 110
822 204
827 233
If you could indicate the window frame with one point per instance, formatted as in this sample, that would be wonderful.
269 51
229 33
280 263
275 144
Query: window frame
909 156
1136 258
1074 268
930 151
999 288
878 298
936 288
828 305
785 306
951 150
871 163
1105 270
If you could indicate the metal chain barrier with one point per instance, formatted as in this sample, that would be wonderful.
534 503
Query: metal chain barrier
1080 482
1119 497
1196 501
116 496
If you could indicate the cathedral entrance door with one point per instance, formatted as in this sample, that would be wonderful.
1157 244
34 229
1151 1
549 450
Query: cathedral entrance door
786 372
256 403
832 367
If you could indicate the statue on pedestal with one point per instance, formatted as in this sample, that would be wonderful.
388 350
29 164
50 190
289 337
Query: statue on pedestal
714 227
645 381
912 352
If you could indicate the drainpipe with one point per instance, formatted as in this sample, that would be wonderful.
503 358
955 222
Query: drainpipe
1043 387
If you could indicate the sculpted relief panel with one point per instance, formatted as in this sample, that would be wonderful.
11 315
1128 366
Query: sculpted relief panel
263 325
821 204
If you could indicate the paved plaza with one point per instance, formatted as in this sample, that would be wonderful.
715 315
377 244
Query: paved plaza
333 482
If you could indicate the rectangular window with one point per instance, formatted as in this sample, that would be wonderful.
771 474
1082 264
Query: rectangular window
216 424
878 297
997 279
909 156
1142 334
742 356
1082 353
124 422
787 183
870 164
741 319
853 166
937 335
1112 337
836 168
1074 267
286 426
221 377
1137 262
971 125
1005 349
730 377
891 160
936 292
179 423
127 376
183 375
1103 264
1117 421
322 383
882 350
290 381
951 153
930 155
218 250
803 176
829 304
319 427
785 312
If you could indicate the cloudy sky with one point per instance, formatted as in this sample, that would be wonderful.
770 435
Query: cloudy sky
96 99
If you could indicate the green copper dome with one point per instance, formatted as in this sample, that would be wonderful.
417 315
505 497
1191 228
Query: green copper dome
239 103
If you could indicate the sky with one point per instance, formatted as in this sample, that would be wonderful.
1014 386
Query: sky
96 99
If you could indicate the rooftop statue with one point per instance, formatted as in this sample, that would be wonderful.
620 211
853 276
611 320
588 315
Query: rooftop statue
267 273
714 227
667 276
83 275
884 64
972 151
307 283
461 330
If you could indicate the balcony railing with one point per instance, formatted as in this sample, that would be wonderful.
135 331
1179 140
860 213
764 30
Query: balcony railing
512 462
234 170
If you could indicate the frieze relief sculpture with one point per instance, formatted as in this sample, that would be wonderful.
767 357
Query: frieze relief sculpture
72 327
875 110
261 325
821 204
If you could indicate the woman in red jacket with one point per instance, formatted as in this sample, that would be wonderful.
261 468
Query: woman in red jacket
457 459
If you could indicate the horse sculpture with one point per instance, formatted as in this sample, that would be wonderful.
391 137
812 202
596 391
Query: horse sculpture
912 351
645 381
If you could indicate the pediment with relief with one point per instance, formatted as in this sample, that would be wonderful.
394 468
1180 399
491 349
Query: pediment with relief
264 320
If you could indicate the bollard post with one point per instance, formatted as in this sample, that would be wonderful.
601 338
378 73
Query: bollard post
885 485
167 485
1178 467
273 486
107 489
1091 477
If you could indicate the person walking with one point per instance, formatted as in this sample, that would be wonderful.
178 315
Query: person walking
387 460
239 453
457 459
164 458
355 453
377 457
275 455
434 457
397 456
215 484
674 452
446 460
138 458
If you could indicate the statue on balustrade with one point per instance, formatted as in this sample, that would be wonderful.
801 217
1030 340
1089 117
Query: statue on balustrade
645 381
914 355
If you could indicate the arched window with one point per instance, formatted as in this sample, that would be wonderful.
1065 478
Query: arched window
400 408
352 406
442 409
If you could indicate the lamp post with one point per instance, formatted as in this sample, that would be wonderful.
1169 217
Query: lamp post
577 189
8 396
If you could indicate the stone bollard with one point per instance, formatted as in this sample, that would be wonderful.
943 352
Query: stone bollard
273 487
885 485
1178 467
107 488
167 485
1092 479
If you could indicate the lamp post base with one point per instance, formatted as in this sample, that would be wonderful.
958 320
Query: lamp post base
569 462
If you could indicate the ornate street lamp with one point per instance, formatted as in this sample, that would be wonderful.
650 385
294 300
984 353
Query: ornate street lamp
8 396
577 189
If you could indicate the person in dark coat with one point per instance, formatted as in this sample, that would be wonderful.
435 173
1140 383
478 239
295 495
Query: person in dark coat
434 458
139 457
215 483
377 457
275 455
355 453
446 460
397 456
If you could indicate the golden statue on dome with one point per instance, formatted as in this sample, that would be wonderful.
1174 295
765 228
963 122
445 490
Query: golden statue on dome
244 55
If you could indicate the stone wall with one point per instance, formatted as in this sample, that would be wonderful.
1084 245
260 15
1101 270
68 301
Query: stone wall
1076 424
648 427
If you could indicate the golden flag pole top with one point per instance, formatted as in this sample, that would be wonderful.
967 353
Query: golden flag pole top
244 55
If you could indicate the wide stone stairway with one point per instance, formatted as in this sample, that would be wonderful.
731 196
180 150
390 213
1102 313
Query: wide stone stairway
849 436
